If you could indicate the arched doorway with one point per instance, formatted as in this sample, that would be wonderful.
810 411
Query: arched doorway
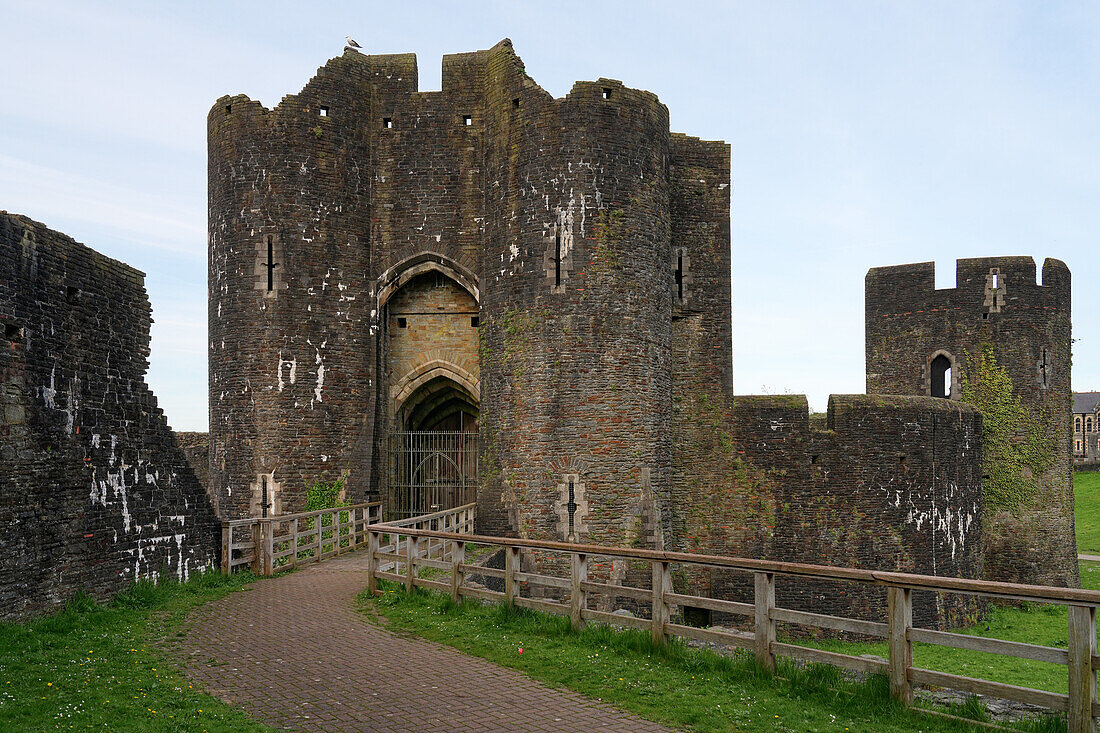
434 456
434 386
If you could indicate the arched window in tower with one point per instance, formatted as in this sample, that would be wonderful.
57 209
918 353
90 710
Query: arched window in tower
941 376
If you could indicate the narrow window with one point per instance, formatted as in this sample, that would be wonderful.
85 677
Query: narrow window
228 108
1076 424
1045 371
680 275
324 111
996 280
571 508
72 293
515 103
941 377
1088 424
557 259
264 503
402 323
271 264
12 332
467 120
606 93
475 321
387 123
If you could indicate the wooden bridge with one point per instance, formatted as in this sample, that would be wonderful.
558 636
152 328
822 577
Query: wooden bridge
401 551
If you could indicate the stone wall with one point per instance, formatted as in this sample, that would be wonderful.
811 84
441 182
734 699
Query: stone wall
94 489
888 483
1008 341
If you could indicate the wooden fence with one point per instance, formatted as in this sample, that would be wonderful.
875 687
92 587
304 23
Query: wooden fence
393 559
288 540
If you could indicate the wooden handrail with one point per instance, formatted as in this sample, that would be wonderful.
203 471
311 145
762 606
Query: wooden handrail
1081 656
407 521
995 589
314 513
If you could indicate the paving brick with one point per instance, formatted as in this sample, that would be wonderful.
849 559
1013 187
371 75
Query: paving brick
293 652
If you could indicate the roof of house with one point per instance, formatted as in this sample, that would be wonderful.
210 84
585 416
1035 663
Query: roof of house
1085 401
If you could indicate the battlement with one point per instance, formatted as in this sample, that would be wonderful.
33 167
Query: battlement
980 282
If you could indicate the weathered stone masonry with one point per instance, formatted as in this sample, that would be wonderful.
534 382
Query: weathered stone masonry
1007 342
94 491
593 244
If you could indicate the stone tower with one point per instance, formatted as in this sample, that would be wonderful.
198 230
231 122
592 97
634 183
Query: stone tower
386 261
1000 341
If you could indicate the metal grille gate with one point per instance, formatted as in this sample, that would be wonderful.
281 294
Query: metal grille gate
431 471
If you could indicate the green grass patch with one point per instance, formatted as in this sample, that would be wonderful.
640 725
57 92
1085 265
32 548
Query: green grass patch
676 684
1086 500
93 666
1030 623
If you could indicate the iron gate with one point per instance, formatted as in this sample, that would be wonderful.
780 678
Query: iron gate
431 471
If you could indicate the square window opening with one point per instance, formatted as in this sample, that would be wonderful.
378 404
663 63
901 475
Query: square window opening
387 123
475 321
402 323
515 103
607 93
12 332
467 120
228 109
698 617
323 111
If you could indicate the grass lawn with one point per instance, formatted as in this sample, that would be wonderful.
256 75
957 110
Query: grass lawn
1086 499
676 685
92 666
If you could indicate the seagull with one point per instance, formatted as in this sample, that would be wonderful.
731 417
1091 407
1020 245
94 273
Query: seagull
352 43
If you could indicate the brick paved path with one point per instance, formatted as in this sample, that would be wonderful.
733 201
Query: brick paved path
294 653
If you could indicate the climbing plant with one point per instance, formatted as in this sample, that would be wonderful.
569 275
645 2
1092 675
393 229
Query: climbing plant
1015 451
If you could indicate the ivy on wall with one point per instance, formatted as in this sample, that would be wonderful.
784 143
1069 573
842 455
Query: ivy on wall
1015 452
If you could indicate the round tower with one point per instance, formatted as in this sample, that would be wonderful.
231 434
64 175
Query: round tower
576 344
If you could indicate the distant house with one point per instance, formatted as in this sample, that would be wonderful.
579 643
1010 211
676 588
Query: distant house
1086 427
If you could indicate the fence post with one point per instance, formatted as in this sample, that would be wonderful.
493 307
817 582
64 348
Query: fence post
1082 676
255 531
511 565
458 556
899 607
267 531
765 626
227 553
577 599
411 548
372 561
661 582
319 526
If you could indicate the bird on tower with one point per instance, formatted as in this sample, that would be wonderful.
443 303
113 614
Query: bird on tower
352 43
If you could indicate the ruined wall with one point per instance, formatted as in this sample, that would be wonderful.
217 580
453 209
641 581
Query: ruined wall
94 490
1008 339
888 483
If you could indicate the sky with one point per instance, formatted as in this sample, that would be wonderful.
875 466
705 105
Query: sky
863 134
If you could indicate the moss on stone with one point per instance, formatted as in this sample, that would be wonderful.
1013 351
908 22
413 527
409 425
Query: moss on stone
1015 451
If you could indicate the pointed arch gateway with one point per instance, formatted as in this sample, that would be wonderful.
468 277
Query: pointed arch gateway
429 305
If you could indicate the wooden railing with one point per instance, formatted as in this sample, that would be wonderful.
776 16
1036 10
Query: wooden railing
402 561
288 540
